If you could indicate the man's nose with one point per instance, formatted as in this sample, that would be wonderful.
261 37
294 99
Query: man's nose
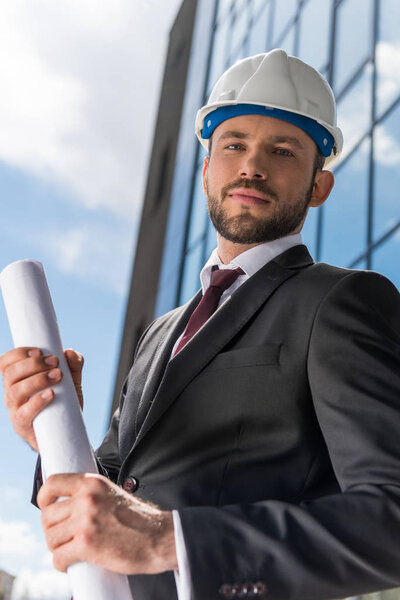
253 166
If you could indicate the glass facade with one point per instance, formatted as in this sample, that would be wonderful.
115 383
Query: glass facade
356 45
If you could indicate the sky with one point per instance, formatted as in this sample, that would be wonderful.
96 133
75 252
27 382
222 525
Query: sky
80 83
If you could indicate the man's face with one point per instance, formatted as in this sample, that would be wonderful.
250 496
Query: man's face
259 179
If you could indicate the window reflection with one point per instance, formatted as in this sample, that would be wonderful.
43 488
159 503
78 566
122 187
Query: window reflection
353 39
191 273
388 55
284 12
211 241
385 260
314 49
287 43
221 48
354 111
259 31
387 174
258 5
224 7
240 27
241 6
198 214
240 53
309 231
345 211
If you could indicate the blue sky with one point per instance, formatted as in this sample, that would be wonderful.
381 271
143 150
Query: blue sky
79 91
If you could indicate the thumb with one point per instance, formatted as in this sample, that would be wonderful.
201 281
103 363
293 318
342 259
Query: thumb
75 363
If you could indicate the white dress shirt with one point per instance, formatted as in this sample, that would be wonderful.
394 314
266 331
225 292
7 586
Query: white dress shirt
250 262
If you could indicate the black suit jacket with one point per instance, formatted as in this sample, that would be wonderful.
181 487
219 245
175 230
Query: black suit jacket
276 434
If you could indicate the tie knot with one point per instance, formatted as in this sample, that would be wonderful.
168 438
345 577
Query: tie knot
224 278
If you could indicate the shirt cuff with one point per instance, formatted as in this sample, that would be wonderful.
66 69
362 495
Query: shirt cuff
182 576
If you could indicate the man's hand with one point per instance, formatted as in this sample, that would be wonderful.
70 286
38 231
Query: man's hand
98 522
27 379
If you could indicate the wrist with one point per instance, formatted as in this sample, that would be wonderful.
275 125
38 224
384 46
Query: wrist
164 547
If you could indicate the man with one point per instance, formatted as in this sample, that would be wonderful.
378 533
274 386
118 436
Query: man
266 431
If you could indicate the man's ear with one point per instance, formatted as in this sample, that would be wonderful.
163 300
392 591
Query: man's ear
323 184
205 167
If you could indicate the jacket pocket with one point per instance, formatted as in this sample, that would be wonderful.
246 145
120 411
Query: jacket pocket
268 354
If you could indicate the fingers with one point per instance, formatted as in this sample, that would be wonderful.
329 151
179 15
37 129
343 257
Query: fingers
13 356
60 531
66 555
59 486
74 360
28 377
71 484
55 513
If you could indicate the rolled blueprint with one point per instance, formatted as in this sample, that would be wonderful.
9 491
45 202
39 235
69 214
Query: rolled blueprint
60 432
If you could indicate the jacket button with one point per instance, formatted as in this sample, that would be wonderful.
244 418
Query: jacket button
260 589
240 590
130 484
226 591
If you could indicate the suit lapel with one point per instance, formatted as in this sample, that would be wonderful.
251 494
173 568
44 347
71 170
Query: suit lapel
215 334
160 361
137 406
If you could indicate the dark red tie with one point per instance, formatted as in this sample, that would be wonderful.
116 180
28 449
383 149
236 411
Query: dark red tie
221 280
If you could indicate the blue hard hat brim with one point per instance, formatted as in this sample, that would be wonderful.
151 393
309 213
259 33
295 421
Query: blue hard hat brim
321 136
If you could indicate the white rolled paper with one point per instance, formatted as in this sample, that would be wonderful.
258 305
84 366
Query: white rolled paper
60 431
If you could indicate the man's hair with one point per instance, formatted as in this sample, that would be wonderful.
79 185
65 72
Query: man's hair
319 160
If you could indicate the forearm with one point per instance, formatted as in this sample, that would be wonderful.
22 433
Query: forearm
336 546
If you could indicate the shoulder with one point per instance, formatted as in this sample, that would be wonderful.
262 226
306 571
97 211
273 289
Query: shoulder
329 278
357 295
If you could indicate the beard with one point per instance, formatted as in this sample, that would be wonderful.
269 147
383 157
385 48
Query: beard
246 228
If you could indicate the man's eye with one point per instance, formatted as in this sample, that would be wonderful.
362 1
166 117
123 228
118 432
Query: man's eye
234 147
283 152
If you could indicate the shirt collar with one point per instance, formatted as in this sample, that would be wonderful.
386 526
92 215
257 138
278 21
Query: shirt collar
251 260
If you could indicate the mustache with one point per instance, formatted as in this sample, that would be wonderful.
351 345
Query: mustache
254 184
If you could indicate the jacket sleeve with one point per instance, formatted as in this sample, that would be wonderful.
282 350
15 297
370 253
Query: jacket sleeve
107 455
342 544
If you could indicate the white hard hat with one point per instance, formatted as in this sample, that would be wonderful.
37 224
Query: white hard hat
279 86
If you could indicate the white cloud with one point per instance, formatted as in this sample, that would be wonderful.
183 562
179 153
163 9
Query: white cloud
10 494
43 584
21 546
80 85
354 112
355 108
387 149
91 251
18 538
388 65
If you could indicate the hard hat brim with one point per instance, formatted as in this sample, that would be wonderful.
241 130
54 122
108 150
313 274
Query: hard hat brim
335 132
